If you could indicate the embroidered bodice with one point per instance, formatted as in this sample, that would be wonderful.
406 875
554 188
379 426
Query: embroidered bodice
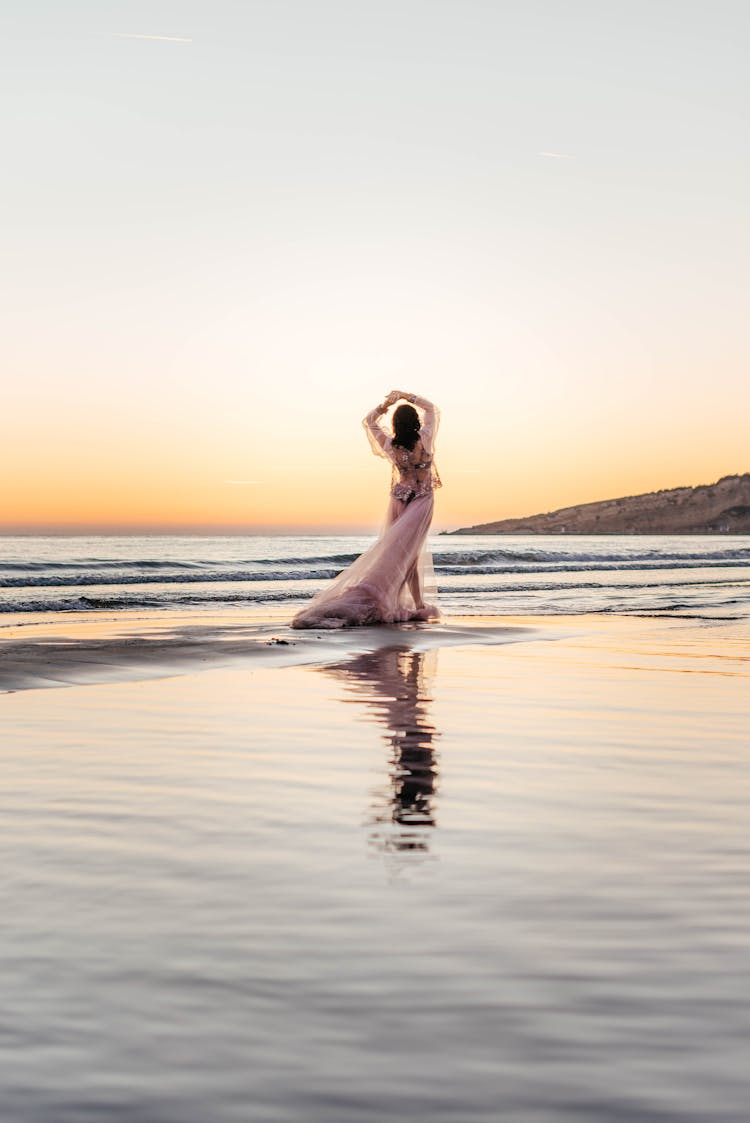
415 472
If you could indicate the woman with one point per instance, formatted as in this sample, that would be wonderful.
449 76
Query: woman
387 584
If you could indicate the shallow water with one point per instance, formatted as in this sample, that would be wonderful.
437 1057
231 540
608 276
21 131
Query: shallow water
458 886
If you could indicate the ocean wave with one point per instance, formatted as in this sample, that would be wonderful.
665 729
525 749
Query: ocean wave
738 554
537 600
106 570
495 556
580 586
101 563
93 603
162 564
71 580
76 577
322 559
592 566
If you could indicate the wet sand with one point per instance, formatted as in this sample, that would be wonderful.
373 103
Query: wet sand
496 870
77 650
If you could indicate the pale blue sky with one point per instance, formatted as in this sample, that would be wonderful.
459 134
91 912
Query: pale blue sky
309 203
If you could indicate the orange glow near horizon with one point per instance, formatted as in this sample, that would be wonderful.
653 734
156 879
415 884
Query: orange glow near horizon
104 486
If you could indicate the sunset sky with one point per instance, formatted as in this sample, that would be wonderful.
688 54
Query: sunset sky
232 227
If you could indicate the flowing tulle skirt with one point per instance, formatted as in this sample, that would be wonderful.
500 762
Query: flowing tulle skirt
379 587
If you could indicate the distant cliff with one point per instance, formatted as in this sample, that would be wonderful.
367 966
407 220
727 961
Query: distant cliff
720 508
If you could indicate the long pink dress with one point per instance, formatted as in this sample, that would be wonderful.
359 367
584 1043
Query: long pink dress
393 581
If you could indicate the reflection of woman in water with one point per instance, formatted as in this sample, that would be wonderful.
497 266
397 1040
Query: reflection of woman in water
389 582
394 684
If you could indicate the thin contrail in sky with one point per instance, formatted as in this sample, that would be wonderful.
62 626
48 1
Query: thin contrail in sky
556 155
243 481
160 38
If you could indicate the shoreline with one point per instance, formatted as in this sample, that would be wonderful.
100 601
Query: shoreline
135 646
82 652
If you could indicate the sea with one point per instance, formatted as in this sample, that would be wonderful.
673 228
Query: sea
476 575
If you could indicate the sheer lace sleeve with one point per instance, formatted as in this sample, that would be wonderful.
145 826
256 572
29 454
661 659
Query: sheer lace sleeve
377 436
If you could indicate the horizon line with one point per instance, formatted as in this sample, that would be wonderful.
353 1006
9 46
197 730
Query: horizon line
357 529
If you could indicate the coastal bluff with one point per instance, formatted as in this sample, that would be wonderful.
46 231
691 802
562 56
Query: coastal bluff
719 508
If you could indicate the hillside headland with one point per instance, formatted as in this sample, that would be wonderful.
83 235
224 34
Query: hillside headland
719 508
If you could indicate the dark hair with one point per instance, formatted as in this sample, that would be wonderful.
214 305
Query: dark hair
406 426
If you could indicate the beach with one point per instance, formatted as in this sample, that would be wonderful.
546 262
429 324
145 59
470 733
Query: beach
490 869
324 316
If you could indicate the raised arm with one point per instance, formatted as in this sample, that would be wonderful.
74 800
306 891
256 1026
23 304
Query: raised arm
376 434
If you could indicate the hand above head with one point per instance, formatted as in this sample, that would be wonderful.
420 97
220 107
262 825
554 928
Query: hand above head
389 400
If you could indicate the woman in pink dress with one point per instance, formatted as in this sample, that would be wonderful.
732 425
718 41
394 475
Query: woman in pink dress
392 581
